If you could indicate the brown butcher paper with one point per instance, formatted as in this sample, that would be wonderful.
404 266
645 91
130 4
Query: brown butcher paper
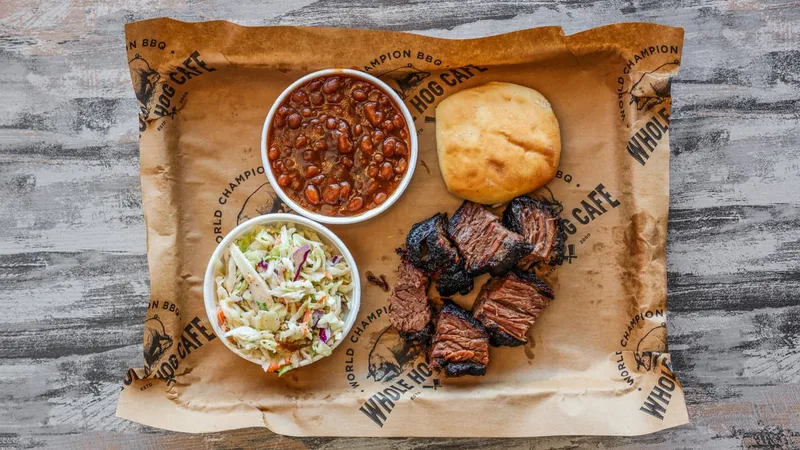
596 361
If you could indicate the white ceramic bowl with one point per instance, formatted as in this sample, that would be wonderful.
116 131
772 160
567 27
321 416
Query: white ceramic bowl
327 236
412 155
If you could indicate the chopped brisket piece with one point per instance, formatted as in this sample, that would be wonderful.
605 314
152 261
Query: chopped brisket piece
461 344
540 224
487 246
509 305
454 280
429 248
410 312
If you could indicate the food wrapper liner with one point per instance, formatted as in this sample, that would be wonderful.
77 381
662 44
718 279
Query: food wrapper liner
596 361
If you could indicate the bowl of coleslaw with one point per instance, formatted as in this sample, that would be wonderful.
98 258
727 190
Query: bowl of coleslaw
281 291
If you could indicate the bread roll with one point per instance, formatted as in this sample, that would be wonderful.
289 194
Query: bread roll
496 141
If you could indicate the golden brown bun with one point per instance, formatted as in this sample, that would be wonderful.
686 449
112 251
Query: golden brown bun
496 141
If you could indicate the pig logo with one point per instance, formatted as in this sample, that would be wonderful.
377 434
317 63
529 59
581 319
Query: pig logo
144 85
550 199
156 341
404 80
262 201
653 88
648 347
391 356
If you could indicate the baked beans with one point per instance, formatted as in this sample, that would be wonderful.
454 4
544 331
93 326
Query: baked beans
339 145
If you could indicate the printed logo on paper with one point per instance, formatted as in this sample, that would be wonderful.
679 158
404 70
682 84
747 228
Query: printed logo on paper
404 80
643 343
244 196
164 353
643 86
161 95
653 88
418 88
144 80
156 341
388 370
656 398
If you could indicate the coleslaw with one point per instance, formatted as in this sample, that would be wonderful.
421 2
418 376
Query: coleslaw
282 295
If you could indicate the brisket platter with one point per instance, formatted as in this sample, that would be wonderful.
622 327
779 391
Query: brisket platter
475 241
487 246
429 249
539 223
507 306
461 344
410 312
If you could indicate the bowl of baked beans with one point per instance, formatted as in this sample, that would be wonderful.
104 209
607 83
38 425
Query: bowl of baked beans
339 146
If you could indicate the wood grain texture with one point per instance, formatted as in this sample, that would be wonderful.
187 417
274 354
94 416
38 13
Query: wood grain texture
73 267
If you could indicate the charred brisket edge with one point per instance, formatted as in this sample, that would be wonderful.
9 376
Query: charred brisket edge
560 243
510 221
458 369
422 233
517 251
454 280
464 368
510 217
414 240
499 338
541 286
423 336
451 307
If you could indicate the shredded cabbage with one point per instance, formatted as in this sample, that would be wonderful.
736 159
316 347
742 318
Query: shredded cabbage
282 294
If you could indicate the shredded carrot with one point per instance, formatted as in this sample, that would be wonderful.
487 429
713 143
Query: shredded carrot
307 316
274 367
328 275
221 317
322 299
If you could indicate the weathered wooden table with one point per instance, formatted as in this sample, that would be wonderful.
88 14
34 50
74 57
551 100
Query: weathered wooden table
73 268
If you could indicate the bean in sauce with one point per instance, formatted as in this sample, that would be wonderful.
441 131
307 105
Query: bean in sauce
338 146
